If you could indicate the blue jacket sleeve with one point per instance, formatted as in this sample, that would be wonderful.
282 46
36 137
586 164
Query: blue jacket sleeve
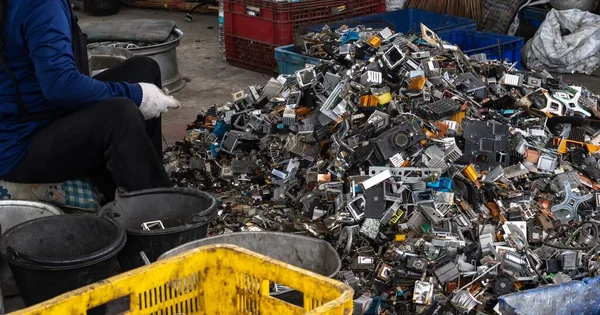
47 31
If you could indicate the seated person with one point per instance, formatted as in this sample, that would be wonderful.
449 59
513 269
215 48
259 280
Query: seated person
57 123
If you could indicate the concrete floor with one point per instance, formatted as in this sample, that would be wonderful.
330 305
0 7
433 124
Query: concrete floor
211 80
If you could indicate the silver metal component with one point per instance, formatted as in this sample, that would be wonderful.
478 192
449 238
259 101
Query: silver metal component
421 54
481 57
370 228
453 153
356 207
552 105
516 170
431 213
412 64
572 103
153 225
332 101
423 293
513 79
512 262
362 304
380 120
561 278
408 174
345 49
414 222
306 77
547 162
569 260
464 301
238 96
393 57
533 81
253 92
494 174
289 116
447 273
386 33
371 78
431 67
567 209
294 99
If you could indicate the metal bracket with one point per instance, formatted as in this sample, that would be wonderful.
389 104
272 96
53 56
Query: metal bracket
573 103
153 225
552 105
408 174
567 210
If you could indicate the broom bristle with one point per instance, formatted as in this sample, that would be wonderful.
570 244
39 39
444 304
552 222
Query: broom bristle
471 9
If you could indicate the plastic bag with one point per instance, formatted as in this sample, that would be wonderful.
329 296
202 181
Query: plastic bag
568 41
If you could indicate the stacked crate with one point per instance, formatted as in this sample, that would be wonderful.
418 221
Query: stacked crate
254 28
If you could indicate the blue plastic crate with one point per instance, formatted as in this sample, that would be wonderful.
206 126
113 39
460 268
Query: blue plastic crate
289 61
403 21
474 42
531 18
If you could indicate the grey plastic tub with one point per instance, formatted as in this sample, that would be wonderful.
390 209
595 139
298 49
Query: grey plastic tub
14 212
305 252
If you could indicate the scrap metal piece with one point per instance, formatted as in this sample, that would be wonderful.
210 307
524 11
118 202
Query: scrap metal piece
356 207
447 273
153 225
306 77
487 143
572 104
552 105
430 36
393 57
439 109
567 209
513 79
414 222
423 293
409 174
371 78
464 301
370 228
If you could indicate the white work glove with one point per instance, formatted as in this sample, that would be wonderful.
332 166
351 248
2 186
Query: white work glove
155 102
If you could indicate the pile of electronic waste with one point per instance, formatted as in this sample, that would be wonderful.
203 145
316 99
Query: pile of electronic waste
444 180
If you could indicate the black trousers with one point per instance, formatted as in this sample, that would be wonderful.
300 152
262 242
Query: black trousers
109 142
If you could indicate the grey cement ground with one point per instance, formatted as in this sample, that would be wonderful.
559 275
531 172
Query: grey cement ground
212 80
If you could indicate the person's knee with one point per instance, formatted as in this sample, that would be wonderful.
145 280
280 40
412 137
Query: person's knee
124 108
148 64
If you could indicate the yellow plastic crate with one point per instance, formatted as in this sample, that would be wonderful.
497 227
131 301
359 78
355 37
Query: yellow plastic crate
211 280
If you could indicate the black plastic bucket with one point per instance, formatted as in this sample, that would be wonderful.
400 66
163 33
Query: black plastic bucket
56 254
184 212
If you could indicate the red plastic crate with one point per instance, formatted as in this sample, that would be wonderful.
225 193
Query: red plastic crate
251 55
258 24
358 8
274 23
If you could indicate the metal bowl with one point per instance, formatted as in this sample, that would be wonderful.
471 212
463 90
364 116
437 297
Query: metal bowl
166 56
101 58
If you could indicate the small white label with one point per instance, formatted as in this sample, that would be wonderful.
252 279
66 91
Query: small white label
279 173
397 160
